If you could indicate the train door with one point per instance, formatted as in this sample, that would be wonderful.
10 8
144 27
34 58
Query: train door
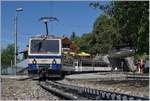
80 67
76 66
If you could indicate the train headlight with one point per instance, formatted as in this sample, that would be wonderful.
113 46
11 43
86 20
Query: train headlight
34 61
54 61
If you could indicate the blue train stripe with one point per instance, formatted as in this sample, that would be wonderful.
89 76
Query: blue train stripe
32 67
33 56
42 64
50 66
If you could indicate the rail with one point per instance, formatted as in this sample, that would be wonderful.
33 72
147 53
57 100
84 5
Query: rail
58 92
137 77
94 94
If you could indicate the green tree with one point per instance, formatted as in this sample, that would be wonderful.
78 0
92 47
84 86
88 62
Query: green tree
7 55
73 36
84 42
103 33
130 23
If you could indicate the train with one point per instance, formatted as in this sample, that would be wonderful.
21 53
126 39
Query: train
44 56
86 65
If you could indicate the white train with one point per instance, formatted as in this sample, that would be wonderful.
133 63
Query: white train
44 55
86 65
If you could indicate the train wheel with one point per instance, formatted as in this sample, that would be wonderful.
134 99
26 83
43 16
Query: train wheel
42 75
62 74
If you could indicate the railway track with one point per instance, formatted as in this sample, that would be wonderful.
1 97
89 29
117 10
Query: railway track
137 77
65 94
71 92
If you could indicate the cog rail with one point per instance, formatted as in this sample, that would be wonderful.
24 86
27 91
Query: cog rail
94 94
59 92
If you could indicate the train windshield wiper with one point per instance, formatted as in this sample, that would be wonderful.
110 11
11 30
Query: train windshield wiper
39 44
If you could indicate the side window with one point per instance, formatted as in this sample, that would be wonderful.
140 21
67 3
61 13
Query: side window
75 64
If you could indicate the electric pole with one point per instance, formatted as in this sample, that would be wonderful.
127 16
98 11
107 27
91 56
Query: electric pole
15 35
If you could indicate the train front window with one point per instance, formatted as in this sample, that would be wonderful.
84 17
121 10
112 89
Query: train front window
44 46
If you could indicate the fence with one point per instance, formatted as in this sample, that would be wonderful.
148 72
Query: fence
7 70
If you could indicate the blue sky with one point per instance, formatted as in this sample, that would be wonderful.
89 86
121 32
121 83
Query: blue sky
74 16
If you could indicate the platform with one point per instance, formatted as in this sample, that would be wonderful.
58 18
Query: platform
104 76
14 76
91 76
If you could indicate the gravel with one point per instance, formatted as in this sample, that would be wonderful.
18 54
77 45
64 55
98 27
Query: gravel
12 89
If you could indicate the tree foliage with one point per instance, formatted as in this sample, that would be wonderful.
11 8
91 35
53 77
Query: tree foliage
84 42
123 23
127 24
102 34
73 36
7 55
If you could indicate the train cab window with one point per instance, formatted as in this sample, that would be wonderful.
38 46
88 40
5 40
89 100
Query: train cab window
45 46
